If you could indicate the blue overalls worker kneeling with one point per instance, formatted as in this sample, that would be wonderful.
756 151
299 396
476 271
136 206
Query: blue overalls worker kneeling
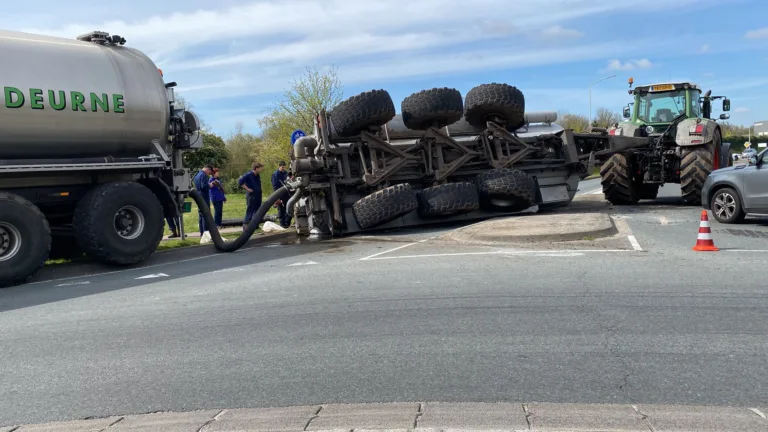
251 182
201 185
278 178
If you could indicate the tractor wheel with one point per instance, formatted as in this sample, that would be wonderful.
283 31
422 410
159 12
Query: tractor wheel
437 107
25 239
695 165
495 102
616 178
369 109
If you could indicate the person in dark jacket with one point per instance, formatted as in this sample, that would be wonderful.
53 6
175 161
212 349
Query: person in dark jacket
251 182
218 198
278 178
201 185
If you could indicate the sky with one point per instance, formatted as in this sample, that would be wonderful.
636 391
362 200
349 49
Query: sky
233 59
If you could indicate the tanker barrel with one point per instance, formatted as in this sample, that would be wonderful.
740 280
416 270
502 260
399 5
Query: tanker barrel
541 117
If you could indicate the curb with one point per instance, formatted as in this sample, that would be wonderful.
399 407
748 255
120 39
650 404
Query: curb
519 230
424 417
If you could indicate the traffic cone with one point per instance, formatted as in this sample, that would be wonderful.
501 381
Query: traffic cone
704 242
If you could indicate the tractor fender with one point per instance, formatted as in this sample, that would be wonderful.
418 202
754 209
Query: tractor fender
683 137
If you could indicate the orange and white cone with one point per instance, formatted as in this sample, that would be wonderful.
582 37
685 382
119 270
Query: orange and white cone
704 242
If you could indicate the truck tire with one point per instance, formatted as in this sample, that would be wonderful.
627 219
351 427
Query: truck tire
495 102
384 205
368 109
25 239
695 165
616 178
437 107
505 189
119 223
448 199
647 191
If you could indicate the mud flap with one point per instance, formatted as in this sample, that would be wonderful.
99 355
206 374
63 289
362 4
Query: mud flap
538 198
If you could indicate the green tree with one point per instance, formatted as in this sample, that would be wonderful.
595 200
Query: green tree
213 152
575 122
243 149
604 118
307 95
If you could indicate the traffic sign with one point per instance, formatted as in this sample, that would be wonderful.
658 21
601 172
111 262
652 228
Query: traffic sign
298 133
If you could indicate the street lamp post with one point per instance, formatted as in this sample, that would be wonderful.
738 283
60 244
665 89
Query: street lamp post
590 96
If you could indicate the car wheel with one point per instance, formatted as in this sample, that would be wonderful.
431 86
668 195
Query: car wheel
726 206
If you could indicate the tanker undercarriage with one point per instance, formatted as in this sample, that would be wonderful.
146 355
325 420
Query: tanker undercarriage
365 168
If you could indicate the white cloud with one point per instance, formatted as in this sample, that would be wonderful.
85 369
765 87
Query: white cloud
618 65
704 48
558 33
761 33
741 110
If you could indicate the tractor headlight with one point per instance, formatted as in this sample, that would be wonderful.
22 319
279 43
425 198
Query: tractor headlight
649 130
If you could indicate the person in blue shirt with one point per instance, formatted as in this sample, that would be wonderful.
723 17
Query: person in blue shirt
218 198
251 182
278 178
201 185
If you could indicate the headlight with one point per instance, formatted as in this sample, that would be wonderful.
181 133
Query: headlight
649 130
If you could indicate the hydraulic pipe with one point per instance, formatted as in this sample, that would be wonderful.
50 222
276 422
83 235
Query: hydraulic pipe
218 241
290 204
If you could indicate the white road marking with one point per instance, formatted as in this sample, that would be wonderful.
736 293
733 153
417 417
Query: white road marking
744 250
560 254
73 283
595 192
758 412
563 253
302 264
152 276
394 249
635 244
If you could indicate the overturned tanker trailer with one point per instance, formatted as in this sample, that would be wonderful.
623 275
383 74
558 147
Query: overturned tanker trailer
443 159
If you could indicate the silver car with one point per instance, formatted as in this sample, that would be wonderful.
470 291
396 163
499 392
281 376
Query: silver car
731 193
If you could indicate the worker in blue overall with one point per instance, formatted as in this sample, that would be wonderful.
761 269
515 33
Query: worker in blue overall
201 185
279 177
251 182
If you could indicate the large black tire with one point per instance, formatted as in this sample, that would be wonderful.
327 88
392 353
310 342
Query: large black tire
496 102
25 239
369 109
616 178
647 191
96 223
448 199
695 165
505 189
384 205
435 107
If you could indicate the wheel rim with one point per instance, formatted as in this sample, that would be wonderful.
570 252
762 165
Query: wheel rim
10 241
129 222
725 205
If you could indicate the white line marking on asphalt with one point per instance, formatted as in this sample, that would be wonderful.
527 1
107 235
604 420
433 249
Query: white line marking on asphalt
523 252
744 250
634 243
394 249
302 264
758 412
594 192
73 283
153 276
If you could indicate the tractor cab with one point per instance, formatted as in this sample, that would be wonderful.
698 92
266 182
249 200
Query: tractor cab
655 106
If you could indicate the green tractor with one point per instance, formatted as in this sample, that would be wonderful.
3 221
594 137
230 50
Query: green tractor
667 137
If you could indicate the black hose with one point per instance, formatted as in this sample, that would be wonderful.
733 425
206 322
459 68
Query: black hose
232 246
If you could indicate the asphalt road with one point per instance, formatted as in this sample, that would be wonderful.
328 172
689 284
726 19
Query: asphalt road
401 317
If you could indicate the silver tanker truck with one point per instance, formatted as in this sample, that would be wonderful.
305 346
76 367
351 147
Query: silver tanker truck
91 151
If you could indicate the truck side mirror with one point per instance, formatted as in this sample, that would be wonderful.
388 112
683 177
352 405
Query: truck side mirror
626 112
725 116
726 104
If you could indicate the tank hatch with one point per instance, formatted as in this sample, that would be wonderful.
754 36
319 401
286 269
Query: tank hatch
101 38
